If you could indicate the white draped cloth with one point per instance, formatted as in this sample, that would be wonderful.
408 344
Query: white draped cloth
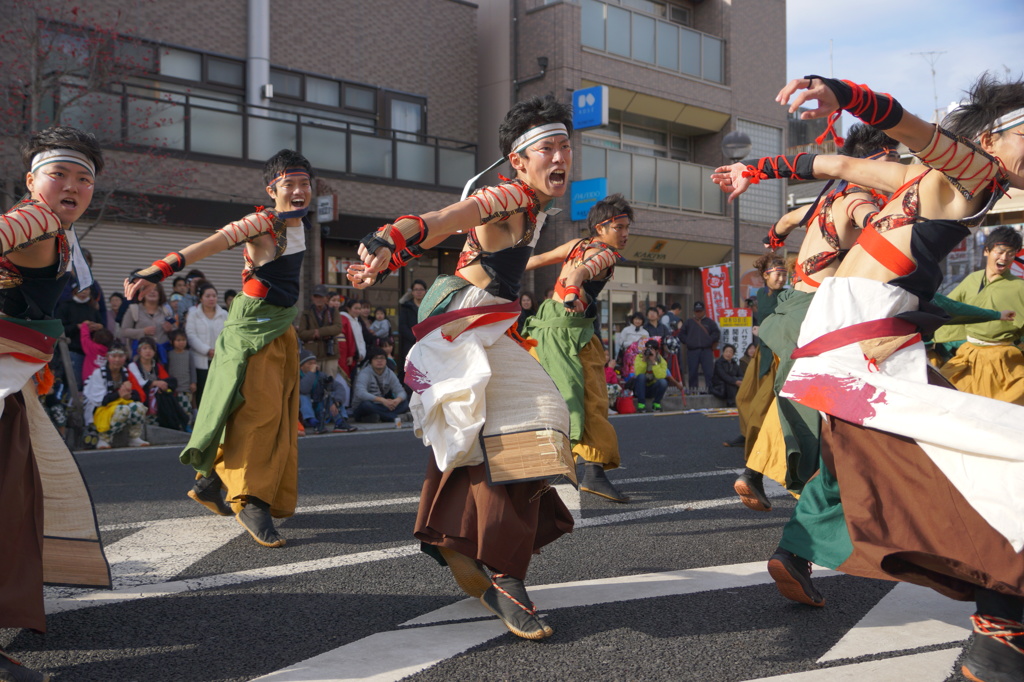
977 442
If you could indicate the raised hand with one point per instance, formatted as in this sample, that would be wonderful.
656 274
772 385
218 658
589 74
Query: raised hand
809 88
730 179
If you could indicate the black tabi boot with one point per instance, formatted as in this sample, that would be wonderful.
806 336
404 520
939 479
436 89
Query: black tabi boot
13 671
996 654
207 492
507 599
468 573
255 518
792 575
594 481
737 442
750 487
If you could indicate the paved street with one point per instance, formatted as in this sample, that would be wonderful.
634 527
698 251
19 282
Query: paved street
669 587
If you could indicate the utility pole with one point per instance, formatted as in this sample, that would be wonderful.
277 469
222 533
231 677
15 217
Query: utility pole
931 58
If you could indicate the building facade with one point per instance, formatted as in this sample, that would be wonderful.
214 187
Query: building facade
680 74
396 103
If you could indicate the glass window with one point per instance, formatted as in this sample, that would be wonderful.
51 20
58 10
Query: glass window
360 98
406 117
593 13
690 181
457 166
320 91
644 182
668 46
712 53
643 136
593 162
286 84
668 183
181 64
267 137
618 31
655 8
414 162
215 132
620 173
324 147
371 156
689 52
143 112
643 38
226 72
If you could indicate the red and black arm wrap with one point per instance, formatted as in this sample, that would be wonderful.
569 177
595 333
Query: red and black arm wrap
774 240
877 109
160 269
402 238
799 167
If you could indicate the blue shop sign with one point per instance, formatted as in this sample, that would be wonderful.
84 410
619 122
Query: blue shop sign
585 193
590 107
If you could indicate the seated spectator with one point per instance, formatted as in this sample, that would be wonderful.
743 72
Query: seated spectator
157 388
612 378
381 326
377 393
113 401
650 369
94 342
182 367
388 346
725 381
632 332
322 398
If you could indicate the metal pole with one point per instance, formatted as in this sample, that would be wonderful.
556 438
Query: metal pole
736 253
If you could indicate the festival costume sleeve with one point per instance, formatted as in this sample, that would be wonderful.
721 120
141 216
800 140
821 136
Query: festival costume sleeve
877 109
963 163
402 238
503 201
799 167
25 224
596 261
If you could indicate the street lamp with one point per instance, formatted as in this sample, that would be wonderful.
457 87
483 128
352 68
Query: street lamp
736 147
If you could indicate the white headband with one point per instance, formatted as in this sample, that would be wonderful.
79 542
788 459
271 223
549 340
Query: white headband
534 135
67 155
1007 121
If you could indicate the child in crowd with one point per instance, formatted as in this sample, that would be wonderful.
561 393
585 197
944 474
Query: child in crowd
113 401
180 290
381 326
612 380
322 399
95 344
182 367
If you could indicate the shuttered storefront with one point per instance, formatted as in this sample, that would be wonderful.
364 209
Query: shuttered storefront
117 249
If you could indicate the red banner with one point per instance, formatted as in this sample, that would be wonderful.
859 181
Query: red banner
717 289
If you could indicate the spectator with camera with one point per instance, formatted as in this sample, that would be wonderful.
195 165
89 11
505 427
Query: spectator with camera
651 380
377 393
319 324
322 398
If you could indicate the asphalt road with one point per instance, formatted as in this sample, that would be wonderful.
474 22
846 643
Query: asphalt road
668 587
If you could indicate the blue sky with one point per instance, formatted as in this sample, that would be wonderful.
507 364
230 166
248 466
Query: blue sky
874 41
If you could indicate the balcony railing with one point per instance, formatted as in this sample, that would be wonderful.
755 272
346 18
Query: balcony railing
202 124
643 38
651 181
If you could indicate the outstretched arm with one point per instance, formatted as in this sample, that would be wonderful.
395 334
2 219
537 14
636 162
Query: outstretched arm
555 255
876 109
881 175
232 234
